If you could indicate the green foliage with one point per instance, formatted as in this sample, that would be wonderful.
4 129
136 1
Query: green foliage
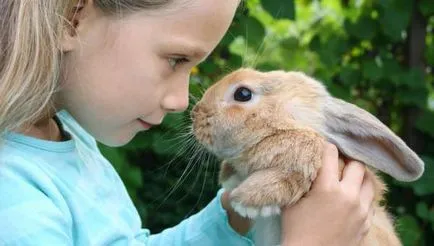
361 50
279 9
409 230
423 186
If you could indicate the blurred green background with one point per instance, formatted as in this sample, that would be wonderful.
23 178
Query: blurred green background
376 54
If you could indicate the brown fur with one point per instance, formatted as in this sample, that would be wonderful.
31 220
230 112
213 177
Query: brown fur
274 145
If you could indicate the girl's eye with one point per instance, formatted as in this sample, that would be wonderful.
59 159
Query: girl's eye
243 94
174 61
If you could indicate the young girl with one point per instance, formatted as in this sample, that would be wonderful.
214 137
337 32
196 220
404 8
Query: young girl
73 72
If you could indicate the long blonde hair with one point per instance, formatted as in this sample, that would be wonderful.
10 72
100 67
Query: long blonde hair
30 56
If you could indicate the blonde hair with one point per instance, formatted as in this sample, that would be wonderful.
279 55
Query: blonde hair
30 56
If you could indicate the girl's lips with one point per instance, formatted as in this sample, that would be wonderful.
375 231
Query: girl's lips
145 124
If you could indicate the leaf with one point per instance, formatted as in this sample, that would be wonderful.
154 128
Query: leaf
412 97
251 29
134 177
328 57
267 67
429 53
349 75
385 3
337 44
280 9
422 210
415 78
408 229
338 91
330 50
208 67
141 141
228 38
431 216
364 28
396 18
290 43
426 7
164 143
234 62
425 123
315 43
393 70
371 70
115 156
195 90
425 185
174 120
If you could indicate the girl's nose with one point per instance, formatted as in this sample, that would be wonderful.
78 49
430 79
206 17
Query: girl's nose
176 98
175 103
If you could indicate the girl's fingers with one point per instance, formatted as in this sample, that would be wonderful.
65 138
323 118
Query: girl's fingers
353 176
329 171
368 223
367 193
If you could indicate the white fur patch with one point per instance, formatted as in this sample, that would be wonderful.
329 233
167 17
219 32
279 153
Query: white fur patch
270 211
252 212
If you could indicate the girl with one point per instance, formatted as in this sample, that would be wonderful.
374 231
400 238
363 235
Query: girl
73 72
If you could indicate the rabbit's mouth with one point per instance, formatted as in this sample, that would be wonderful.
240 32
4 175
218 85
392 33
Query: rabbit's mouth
207 132
227 153
202 127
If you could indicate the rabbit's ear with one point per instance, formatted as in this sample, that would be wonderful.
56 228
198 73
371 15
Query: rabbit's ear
361 136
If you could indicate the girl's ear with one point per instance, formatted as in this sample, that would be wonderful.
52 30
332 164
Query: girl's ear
74 18
361 136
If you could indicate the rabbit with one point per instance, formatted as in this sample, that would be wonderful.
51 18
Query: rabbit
269 128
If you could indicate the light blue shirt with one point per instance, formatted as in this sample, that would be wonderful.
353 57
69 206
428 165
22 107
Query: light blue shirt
67 193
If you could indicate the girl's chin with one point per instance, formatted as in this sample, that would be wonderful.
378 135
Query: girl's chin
120 138
117 141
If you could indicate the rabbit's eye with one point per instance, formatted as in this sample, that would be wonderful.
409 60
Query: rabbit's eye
243 94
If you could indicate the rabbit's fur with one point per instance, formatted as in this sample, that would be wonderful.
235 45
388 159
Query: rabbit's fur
272 145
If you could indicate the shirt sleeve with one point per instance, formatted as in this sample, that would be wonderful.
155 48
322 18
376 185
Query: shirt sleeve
208 227
28 216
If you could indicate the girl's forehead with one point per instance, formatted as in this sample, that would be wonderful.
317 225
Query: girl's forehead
198 27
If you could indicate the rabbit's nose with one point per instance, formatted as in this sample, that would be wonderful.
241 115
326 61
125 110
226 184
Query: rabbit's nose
194 112
201 111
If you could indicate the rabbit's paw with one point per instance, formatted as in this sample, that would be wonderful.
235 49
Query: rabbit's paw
244 211
253 212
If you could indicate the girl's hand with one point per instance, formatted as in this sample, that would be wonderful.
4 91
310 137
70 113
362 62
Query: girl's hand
333 212
240 224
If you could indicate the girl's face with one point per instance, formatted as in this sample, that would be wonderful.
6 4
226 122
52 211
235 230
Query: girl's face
117 71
